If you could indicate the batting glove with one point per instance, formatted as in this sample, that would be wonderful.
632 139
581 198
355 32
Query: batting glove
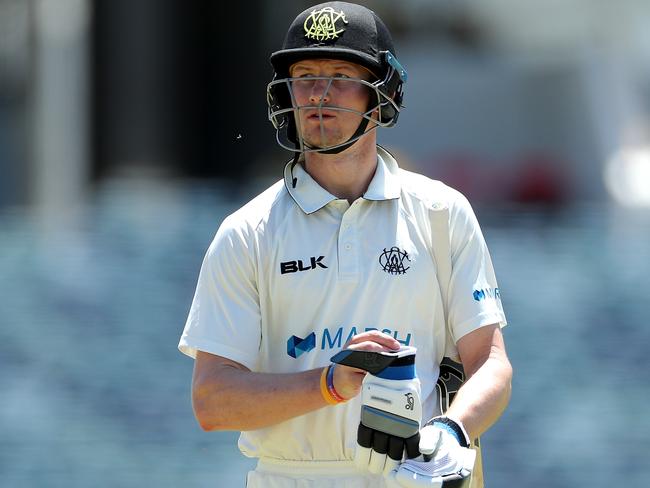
446 461
391 410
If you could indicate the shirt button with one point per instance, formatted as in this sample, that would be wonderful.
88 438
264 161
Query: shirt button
348 246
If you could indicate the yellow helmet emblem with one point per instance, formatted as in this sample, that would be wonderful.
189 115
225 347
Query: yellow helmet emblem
320 25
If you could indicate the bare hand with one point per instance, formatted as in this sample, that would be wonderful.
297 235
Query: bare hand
347 380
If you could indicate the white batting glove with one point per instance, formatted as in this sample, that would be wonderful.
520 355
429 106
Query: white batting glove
391 410
391 414
446 458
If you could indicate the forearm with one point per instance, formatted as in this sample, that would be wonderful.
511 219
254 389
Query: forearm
236 399
228 396
484 396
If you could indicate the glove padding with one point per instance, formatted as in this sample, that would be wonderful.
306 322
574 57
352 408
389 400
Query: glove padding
390 422
391 411
444 462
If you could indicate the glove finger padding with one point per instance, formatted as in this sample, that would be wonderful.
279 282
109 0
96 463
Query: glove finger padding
435 473
397 448
364 447
412 446
379 452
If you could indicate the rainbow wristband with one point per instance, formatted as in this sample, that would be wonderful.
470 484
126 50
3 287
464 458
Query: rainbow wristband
327 389
330 384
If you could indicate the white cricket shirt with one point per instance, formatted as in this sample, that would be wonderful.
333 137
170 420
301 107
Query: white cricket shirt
294 273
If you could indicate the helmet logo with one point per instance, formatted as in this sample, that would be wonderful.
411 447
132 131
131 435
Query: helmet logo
321 25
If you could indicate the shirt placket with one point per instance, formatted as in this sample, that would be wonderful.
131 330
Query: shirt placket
348 243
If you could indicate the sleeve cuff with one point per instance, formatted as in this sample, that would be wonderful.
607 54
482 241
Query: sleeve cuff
481 320
190 346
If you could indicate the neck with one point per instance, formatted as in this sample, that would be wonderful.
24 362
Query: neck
345 175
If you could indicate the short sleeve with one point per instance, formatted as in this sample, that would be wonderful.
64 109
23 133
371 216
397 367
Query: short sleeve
474 295
225 318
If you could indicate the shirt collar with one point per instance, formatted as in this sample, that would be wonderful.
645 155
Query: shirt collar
304 190
385 184
311 197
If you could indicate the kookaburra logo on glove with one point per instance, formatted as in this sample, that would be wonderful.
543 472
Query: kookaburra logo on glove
410 401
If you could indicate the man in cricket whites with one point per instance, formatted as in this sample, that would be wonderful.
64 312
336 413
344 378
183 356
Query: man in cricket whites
327 307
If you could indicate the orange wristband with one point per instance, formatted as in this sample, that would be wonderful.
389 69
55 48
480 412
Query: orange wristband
330 394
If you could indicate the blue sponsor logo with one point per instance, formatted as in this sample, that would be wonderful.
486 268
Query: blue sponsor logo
297 345
336 338
484 293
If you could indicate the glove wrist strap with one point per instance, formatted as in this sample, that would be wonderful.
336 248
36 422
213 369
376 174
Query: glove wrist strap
453 427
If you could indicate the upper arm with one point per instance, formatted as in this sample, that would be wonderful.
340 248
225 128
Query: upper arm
225 316
477 346
474 298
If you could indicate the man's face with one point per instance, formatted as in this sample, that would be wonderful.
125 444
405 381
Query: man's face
318 122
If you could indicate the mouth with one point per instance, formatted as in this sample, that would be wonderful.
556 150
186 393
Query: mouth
315 115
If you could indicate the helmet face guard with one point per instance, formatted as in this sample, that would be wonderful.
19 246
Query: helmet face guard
384 105
341 31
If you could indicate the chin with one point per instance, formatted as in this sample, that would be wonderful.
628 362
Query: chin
324 145
318 142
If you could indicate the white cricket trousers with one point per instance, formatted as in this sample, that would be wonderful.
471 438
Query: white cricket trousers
276 473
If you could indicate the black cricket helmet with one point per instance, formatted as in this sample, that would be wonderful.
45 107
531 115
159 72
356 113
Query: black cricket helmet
343 31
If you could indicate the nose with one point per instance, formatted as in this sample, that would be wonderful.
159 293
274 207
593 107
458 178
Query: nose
320 92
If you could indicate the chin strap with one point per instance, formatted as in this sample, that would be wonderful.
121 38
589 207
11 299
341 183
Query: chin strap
294 180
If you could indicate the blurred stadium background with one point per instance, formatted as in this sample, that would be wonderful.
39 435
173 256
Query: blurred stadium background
129 129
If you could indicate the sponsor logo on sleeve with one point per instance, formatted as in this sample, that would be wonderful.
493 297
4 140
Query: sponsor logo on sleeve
484 293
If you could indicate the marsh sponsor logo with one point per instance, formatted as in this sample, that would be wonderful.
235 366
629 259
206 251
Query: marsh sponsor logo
484 293
336 338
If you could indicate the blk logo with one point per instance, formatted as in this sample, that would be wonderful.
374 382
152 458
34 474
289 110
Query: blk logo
296 266
394 261
297 346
